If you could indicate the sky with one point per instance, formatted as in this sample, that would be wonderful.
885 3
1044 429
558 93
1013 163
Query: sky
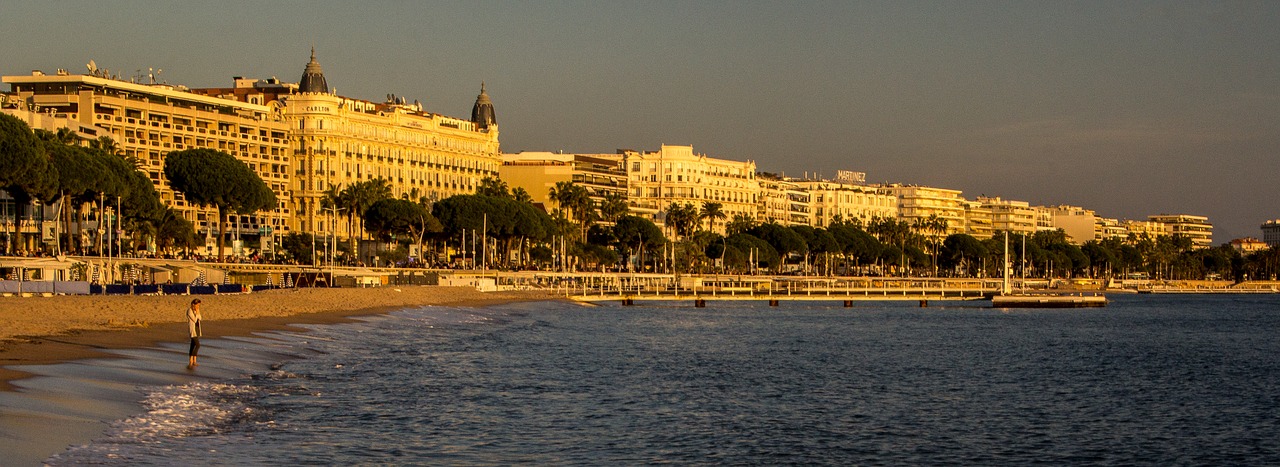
1127 108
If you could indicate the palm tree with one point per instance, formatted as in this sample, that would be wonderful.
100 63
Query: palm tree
614 206
576 200
712 211
519 194
682 219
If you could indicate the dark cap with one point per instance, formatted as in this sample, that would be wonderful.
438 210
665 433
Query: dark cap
195 302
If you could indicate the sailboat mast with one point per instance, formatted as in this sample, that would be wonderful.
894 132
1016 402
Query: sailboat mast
1004 289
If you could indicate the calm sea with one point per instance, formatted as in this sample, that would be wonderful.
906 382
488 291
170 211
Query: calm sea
1153 380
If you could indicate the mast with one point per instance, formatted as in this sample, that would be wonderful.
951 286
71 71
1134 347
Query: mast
1004 288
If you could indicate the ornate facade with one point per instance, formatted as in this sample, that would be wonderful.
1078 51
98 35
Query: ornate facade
675 174
338 141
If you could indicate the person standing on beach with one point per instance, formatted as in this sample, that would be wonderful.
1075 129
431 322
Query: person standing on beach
193 326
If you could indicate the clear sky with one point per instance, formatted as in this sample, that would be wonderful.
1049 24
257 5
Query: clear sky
1128 108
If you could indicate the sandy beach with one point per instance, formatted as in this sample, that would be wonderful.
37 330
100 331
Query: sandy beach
42 330
70 364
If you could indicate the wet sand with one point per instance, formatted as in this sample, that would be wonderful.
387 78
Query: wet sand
73 363
42 330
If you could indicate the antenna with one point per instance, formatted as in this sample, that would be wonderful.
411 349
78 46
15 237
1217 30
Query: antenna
93 68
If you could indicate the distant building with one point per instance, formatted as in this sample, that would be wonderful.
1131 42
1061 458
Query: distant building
1271 232
1196 228
147 121
1248 245
781 201
675 174
538 172
1148 229
918 203
1078 223
1109 228
338 141
832 199
978 220
1010 216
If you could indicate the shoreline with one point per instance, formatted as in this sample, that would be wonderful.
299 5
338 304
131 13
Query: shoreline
49 330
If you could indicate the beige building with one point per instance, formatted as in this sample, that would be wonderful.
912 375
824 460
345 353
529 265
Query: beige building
1105 228
1149 229
675 174
1271 232
338 141
1010 216
831 199
1078 223
1248 245
147 121
782 201
538 172
978 220
918 203
1196 228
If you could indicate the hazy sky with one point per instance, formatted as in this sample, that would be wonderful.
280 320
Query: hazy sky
1128 108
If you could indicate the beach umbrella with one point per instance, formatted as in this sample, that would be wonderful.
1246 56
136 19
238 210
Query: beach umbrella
96 274
288 281
200 280
269 282
226 278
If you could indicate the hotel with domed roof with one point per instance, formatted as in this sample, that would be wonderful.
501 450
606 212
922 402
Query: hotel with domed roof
338 141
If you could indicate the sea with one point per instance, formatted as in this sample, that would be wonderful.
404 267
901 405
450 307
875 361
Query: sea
1149 380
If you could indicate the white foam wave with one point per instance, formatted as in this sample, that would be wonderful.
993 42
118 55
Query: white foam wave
193 409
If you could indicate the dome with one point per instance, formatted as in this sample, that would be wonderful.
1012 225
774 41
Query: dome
482 114
313 77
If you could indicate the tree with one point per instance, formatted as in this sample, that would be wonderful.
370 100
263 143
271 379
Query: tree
390 217
20 151
575 201
298 246
520 195
682 219
740 223
636 234
213 178
493 187
960 252
783 240
613 206
712 212
24 168
172 231
742 247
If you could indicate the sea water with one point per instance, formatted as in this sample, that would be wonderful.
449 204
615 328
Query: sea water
1155 380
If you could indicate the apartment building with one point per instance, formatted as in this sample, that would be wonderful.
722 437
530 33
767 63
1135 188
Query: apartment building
918 203
847 201
1150 229
1010 216
148 120
782 201
978 220
1196 228
1271 232
676 174
1105 228
538 172
1078 223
